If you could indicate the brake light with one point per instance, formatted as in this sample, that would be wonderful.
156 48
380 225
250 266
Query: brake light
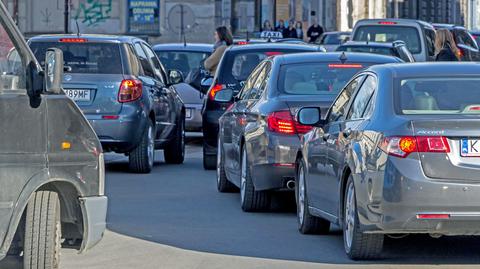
345 66
242 43
387 22
282 122
273 53
130 90
460 53
214 90
433 216
73 40
403 146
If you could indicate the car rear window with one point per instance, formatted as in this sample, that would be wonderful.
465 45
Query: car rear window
335 39
368 49
184 61
84 57
237 66
317 78
438 95
389 33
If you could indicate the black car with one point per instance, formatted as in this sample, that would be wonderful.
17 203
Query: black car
476 36
234 68
469 50
124 92
398 49
259 136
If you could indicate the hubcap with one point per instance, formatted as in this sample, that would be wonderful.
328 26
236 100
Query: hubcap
301 194
219 160
350 215
243 181
151 146
182 140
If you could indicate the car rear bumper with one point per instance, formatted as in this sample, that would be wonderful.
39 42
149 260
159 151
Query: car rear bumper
393 205
194 122
272 159
94 210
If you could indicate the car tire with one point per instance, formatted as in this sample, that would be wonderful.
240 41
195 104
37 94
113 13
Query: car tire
209 161
174 152
142 157
250 199
307 224
223 185
42 231
358 245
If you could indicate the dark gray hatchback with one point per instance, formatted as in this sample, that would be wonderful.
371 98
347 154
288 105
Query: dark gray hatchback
124 92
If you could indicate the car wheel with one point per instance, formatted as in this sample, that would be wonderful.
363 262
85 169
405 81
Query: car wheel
142 157
358 245
174 152
223 185
307 224
250 199
209 161
42 231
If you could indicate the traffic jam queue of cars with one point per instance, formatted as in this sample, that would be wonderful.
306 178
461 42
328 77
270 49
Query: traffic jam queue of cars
362 137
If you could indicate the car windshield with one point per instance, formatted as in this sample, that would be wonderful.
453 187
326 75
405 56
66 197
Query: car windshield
438 96
335 39
184 61
388 33
317 78
368 49
84 57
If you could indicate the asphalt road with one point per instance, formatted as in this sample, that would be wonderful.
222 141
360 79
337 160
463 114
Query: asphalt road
175 218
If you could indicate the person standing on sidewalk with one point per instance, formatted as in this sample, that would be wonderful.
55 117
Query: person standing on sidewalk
267 26
314 31
223 39
445 47
290 32
299 29
280 26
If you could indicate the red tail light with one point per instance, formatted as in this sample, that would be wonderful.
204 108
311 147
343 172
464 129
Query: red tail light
403 146
433 216
73 40
387 23
242 43
213 91
273 53
130 90
282 122
345 66
460 53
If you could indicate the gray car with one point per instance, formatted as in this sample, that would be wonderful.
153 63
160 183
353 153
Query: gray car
188 58
397 154
125 93
52 174
258 135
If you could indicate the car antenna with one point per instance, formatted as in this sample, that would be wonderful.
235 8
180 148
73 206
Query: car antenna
368 38
184 40
247 37
343 57
78 28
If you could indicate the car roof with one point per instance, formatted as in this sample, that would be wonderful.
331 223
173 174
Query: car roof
89 37
430 69
337 33
201 47
447 26
369 44
475 32
399 22
334 57
273 45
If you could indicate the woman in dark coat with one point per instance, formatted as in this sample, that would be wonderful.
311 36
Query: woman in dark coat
445 47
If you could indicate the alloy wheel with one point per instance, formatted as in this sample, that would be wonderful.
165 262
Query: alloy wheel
301 194
243 180
151 147
350 209
219 160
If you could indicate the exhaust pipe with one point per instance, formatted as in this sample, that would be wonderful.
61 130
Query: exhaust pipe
291 184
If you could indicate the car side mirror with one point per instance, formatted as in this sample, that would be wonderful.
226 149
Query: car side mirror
310 116
205 84
54 70
224 95
175 76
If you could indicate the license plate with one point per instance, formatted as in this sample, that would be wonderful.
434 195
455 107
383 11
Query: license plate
470 148
188 112
78 95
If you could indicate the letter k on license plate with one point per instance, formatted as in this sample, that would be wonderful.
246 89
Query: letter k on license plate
470 148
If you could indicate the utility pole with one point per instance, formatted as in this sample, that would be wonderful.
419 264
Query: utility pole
66 14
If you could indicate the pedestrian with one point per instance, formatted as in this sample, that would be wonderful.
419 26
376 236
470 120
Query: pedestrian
290 32
314 31
445 47
299 29
267 26
223 39
280 26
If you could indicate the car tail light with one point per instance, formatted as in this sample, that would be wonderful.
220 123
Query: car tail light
73 40
387 22
404 145
433 216
345 66
130 90
282 122
242 43
273 53
460 53
213 91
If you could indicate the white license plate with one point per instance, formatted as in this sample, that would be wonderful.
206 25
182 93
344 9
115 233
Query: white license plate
188 113
78 95
470 147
